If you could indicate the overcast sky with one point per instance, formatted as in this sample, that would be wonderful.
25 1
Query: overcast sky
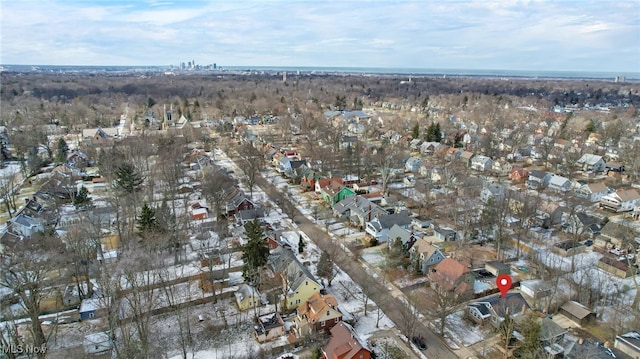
576 35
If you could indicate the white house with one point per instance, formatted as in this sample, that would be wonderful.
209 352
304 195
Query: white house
593 191
589 162
559 183
621 200
413 164
481 163
379 227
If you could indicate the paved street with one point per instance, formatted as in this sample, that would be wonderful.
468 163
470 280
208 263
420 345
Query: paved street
389 302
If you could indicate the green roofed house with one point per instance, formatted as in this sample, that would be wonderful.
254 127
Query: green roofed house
335 192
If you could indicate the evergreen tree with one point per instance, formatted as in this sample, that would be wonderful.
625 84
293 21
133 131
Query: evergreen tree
300 244
531 331
62 150
82 199
128 178
437 132
147 222
255 253
415 132
165 218
590 127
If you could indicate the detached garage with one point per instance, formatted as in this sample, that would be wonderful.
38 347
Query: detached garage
577 312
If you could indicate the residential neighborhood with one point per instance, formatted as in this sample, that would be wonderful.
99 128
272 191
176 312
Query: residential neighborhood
253 236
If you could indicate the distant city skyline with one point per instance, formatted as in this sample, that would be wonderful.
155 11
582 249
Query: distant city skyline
599 36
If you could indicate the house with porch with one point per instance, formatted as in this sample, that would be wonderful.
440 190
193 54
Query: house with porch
538 180
465 157
298 284
319 313
378 228
335 192
622 200
589 162
559 183
593 192
481 163
492 310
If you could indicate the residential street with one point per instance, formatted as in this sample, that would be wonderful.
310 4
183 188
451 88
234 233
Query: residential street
383 297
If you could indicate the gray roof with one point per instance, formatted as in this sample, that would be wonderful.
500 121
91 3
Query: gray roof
389 220
280 258
399 232
576 309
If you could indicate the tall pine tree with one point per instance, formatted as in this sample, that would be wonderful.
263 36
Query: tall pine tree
255 253
128 178
147 222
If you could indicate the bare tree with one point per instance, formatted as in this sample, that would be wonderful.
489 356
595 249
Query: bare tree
252 162
26 271
410 316
9 191
387 159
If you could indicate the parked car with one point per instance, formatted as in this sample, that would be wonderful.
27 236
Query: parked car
419 342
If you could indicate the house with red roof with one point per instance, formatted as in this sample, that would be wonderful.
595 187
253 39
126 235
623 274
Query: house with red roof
452 275
345 344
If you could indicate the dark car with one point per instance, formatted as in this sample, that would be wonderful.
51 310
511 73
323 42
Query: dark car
588 243
419 342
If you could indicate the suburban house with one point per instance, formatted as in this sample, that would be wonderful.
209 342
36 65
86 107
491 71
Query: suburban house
286 165
613 235
364 210
581 224
577 312
481 163
452 276
445 234
622 200
493 192
413 164
249 215
379 227
589 162
270 327
518 174
428 148
559 183
298 284
619 268
492 310
614 167
407 237
309 178
629 343
538 179
247 297
501 168
345 344
236 201
319 313
323 182
425 255
593 191
465 157
25 226
335 192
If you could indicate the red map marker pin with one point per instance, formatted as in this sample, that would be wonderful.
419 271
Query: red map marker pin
503 282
